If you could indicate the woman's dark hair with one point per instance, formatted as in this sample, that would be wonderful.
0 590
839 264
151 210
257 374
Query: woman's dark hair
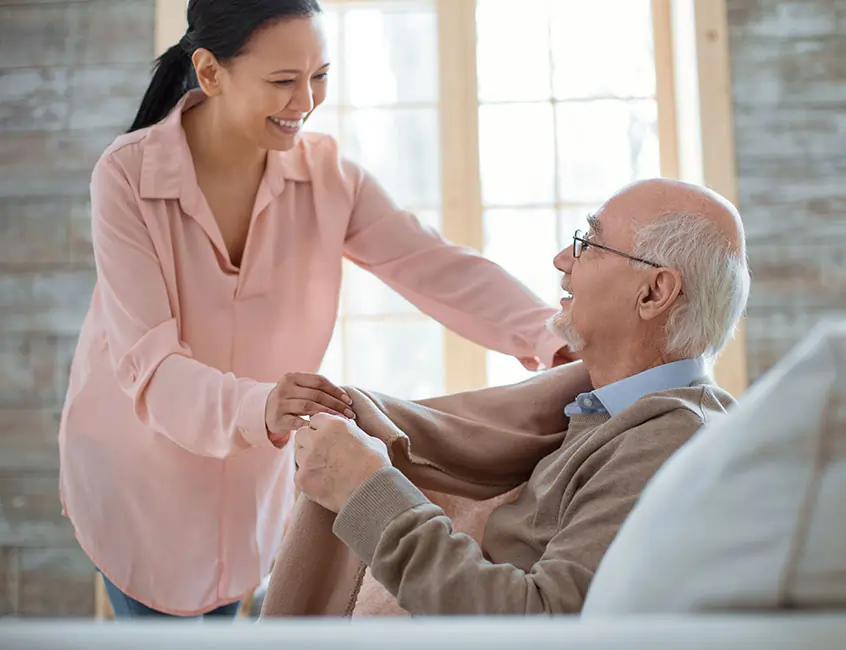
223 27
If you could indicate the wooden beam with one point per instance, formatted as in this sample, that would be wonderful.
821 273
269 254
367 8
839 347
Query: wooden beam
716 112
465 362
102 606
171 23
718 157
706 130
665 87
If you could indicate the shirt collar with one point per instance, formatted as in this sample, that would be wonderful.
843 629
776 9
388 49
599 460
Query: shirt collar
167 169
618 396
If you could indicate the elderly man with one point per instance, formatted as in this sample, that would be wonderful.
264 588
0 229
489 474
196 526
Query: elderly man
655 287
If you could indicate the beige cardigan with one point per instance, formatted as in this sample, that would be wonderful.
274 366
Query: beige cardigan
316 574
479 445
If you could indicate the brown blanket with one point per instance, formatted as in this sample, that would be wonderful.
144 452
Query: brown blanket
477 445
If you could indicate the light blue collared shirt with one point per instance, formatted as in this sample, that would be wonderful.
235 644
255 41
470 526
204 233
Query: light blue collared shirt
616 397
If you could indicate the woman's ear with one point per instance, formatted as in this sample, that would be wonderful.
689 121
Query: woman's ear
208 71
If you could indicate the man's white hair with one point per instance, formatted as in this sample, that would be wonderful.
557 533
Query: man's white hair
715 281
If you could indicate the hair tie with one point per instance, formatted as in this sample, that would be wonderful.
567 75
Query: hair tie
187 43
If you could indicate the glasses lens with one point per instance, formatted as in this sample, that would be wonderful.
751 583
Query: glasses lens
577 243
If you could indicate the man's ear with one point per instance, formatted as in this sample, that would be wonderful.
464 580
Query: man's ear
659 293
208 71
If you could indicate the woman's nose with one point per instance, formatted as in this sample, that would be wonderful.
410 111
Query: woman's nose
303 98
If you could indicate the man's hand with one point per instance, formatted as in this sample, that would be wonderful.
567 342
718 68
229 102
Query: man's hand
301 393
334 457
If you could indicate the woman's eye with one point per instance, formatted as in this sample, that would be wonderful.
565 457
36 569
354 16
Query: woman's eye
322 76
285 82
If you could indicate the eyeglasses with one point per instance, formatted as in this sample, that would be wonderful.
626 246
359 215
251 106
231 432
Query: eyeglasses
582 243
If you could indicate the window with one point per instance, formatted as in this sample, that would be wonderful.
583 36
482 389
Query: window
567 115
689 52
547 108
384 104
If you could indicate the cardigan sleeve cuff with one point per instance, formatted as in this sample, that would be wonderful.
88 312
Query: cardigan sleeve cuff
372 507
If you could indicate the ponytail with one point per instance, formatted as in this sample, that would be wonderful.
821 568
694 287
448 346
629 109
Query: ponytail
173 76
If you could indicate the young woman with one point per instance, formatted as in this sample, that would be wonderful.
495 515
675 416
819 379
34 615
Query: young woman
219 230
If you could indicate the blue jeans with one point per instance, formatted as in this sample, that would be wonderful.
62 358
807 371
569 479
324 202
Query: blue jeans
126 607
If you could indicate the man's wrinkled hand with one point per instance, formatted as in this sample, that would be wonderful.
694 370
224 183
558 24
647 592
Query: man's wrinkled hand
334 457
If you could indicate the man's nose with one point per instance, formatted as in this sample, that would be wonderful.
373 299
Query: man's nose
564 260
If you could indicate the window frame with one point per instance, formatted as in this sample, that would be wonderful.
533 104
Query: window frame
689 35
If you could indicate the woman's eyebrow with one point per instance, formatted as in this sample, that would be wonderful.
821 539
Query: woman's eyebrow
294 71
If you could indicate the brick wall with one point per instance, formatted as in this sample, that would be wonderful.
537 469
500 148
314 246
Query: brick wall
788 65
71 75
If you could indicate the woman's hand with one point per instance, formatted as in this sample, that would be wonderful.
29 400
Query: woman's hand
562 356
299 394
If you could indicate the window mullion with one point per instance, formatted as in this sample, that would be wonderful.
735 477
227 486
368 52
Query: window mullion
665 87
464 362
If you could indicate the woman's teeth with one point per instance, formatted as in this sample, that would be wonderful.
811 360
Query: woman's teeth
289 124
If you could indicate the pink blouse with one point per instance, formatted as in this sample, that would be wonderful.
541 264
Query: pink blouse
167 474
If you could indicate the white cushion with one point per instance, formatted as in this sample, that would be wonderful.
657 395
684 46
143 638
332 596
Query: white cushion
751 512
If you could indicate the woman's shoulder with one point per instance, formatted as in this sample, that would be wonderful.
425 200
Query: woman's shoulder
125 153
327 163
320 148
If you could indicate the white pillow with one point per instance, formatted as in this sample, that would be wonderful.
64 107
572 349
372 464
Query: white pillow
751 512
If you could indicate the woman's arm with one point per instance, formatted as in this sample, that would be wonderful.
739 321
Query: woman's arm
458 287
